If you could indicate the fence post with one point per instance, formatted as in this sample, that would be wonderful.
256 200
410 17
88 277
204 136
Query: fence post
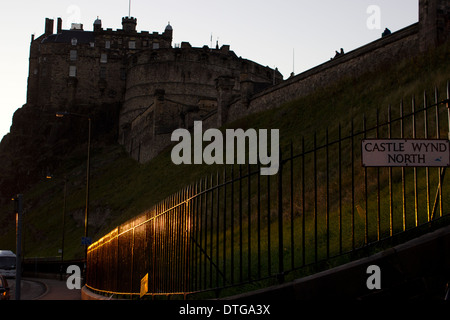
280 222
19 218
448 108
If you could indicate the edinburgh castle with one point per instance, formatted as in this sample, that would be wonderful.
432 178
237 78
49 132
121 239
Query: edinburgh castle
160 87
142 87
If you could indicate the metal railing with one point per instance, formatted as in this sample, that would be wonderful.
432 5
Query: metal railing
238 227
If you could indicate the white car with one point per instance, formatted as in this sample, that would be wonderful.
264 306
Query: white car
7 264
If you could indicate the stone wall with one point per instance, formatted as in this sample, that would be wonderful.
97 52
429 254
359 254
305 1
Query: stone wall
433 29
434 18
366 59
173 87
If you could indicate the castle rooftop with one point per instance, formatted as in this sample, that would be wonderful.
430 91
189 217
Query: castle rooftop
66 36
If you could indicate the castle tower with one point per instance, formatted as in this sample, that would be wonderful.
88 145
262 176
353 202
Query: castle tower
129 24
434 25
97 25
247 87
168 31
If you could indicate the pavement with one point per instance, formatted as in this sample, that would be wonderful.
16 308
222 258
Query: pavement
44 289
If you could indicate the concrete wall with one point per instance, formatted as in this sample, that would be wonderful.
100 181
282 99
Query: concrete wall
417 269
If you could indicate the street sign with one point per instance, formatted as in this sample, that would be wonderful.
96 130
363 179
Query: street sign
405 153
86 241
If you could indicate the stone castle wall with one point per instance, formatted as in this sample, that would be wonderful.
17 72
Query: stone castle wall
171 88
366 59
433 29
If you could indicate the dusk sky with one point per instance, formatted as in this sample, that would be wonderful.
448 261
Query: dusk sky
291 35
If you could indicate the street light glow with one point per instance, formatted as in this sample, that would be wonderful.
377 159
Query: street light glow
61 114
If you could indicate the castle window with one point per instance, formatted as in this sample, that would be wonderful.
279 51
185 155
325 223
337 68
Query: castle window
132 44
123 74
145 43
102 72
108 44
73 71
92 44
73 55
155 45
74 41
104 58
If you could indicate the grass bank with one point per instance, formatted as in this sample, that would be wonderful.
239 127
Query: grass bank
121 188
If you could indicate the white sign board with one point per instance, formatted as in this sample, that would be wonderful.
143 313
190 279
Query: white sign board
405 153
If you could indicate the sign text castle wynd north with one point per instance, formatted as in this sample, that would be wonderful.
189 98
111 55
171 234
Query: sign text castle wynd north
405 153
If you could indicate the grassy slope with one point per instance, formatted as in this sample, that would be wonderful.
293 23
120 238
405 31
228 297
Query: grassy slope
122 188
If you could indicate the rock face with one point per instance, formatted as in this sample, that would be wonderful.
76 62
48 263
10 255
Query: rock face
38 142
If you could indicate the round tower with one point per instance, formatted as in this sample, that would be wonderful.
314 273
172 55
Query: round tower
168 33
168 30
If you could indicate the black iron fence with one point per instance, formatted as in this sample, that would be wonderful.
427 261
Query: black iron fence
238 227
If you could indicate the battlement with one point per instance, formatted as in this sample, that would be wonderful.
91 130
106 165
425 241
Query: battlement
129 25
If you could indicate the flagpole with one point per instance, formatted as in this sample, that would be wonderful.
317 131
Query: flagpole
129 8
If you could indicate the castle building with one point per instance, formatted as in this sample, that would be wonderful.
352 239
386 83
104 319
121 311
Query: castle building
170 88
78 67
159 87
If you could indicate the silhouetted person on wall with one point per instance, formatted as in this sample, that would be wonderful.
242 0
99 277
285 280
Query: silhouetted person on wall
338 54
386 32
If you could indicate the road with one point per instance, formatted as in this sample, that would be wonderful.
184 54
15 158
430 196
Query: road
44 289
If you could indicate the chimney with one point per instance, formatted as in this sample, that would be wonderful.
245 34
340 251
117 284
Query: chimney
48 26
59 28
